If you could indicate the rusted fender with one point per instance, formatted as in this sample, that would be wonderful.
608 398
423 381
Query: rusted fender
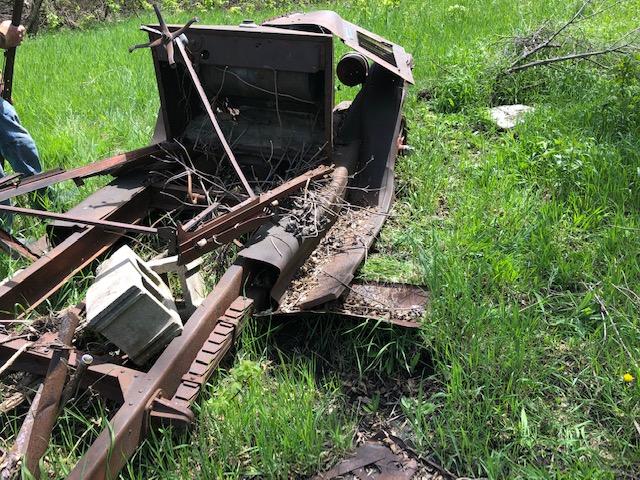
378 49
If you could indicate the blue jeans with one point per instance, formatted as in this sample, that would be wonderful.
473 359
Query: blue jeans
17 147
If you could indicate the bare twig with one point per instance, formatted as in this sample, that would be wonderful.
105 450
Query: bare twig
548 41
564 58
14 357
622 46
603 9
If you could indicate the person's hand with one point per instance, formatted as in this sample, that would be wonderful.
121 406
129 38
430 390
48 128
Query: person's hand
13 36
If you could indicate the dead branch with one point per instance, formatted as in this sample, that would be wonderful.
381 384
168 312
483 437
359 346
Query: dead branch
574 56
560 37
553 36
14 357
24 390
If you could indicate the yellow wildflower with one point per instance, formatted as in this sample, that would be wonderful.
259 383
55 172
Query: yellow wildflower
628 378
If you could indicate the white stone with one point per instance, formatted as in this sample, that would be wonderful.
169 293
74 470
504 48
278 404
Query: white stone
131 306
508 116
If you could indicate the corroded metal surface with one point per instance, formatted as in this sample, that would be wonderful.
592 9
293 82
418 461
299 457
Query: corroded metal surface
108 379
103 224
48 406
128 202
116 164
33 438
373 461
391 56
403 305
276 82
14 247
213 350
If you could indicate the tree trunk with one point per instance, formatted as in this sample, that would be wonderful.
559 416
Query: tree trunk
33 20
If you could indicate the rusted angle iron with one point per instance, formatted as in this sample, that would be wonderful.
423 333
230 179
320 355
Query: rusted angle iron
12 179
14 247
163 396
108 165
128 202
243 218
108 224
176 411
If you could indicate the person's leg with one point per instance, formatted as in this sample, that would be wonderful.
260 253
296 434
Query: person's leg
16 145
18 148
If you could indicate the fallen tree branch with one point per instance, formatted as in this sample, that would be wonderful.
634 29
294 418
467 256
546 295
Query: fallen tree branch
564 58
559 38
551 38
25 389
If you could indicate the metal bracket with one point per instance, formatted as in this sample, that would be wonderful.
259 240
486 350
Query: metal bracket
163 412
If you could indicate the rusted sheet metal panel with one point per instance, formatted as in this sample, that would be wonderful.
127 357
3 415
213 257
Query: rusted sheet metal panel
101 204
293 68
400 304
375 120
302 65
115 445
383 52
112 165
212 117
356 233
370 129
282 251
29 288
373 461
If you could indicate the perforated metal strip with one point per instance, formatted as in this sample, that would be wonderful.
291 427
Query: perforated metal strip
217 345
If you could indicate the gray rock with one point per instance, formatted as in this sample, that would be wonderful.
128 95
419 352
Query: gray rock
508 116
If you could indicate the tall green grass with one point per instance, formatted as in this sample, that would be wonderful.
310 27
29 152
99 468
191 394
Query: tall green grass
527 240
